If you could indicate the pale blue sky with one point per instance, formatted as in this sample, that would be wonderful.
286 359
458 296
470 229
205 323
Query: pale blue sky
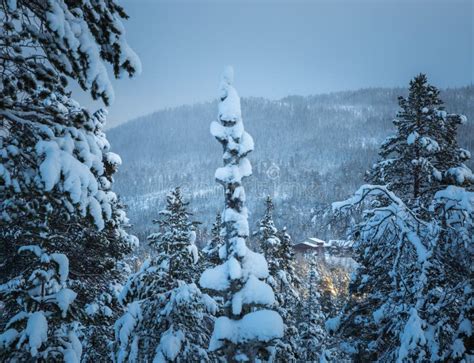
289 47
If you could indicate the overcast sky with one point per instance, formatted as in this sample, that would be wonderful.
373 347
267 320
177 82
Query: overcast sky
279 48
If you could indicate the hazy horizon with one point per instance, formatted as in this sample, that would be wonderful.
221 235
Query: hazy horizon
167 108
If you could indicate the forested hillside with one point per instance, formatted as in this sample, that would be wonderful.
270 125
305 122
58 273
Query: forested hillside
310 151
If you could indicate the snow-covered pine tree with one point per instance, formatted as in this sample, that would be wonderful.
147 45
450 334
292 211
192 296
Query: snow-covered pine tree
246 331
168 318
44 327
56 182
287 296
287 258
175 241
278 251
212 248
55 164
410 297
409 263
423 155
312 335
391 248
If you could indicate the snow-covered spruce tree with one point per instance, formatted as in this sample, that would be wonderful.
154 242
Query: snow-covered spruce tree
168 318
211 250
423 155
287 258
246 330
269 242
44 327
410 294
287 296
56 168
278 251
312 336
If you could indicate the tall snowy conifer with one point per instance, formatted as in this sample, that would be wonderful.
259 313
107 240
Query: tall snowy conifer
287 283
247 330
410 296
167 318
423 155
56 168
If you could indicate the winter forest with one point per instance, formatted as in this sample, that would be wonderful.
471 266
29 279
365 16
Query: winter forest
330 225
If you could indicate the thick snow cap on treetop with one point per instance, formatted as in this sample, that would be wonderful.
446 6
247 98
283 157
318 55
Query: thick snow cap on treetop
262 325
229 107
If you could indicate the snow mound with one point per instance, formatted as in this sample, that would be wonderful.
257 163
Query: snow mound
262 325
36 331
170 346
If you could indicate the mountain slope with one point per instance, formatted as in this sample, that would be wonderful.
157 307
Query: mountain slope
309 151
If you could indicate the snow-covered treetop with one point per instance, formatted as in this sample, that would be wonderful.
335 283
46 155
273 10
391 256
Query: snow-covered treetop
227 77
423 156
174 244
229 131
229 107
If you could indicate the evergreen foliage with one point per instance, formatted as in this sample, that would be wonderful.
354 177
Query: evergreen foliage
312 336
44 42
423 156
245 330
44 326
57 175
168 318
56 167
277 247
212 248
410 296
269 242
